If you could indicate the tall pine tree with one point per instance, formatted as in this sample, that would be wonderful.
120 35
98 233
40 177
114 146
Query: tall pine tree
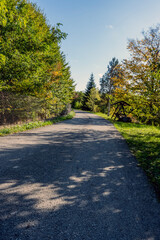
91 84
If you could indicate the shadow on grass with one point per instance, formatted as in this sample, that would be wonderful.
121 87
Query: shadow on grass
147 151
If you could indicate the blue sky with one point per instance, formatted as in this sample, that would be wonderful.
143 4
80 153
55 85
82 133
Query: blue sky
98 30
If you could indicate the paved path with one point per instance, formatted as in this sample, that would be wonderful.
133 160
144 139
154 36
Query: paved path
75 180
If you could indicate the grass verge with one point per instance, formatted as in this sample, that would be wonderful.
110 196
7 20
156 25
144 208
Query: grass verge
36 124
144 142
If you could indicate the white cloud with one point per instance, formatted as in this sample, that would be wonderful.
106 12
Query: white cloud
109 26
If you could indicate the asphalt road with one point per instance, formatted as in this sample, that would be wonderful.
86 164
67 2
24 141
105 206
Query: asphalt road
75 180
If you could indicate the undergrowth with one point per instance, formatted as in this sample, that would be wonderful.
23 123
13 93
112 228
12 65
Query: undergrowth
31 125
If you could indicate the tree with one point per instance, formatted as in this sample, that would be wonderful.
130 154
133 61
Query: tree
112 73
104 84
91 84
92 100
78 100
31 61
143 74
107 82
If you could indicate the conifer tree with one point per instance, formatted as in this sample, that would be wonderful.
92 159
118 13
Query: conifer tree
91 84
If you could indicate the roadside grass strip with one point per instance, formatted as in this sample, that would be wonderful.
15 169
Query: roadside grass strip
144 143
31 125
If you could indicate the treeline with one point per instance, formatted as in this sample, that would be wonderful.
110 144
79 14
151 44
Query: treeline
35 79
135 80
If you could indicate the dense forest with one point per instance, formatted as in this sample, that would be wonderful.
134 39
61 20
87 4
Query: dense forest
35 79
135 80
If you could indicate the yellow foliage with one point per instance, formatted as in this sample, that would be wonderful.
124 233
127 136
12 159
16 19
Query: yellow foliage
3 11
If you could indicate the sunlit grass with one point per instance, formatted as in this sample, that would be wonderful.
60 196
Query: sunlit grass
144 142
36 124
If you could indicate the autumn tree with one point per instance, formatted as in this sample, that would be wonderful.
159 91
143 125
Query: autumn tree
142 72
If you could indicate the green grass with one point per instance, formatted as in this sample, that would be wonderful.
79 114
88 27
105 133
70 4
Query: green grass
144 142
31 125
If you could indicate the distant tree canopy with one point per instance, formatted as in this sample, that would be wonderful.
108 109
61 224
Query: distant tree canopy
31 61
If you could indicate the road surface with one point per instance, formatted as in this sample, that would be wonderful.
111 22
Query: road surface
75 180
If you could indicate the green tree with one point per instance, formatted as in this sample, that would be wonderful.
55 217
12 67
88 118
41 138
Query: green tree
78 100
107 82
31 61
103 84
90 84
111 74
92 100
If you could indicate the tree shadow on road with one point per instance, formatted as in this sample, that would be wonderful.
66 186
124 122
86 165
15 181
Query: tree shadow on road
73 185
